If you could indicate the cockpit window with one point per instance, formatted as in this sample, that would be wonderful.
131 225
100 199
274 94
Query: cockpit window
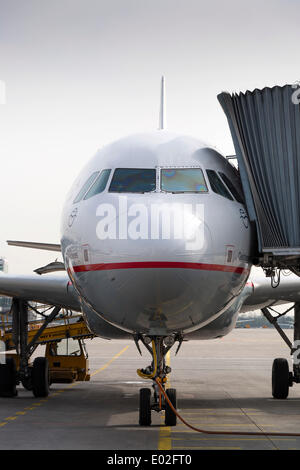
183 180
133 180
236 194
99 185
217 185
86 186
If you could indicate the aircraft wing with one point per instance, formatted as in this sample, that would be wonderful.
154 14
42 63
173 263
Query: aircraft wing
36 245
58 290
53 290
262 294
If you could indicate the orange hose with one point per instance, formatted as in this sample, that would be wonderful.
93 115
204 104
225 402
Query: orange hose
159 399
228 433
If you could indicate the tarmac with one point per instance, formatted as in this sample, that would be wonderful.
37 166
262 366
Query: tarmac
222 384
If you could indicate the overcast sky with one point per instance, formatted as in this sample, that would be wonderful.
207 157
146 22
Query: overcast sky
81 73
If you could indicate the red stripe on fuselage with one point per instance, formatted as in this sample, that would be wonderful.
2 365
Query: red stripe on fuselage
159 264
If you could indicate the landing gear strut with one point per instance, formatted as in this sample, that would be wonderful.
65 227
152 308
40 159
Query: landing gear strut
33 377
158 370
282 378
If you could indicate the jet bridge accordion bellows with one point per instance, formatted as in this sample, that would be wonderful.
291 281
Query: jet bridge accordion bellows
265 128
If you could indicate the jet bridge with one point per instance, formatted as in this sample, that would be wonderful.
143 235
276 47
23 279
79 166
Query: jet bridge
265 128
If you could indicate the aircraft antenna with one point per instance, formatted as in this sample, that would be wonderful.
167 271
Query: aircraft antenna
162 105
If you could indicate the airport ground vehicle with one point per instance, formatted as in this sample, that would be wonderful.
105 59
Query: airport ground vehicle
65 359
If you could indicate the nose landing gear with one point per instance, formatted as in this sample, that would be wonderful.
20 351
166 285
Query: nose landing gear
157 371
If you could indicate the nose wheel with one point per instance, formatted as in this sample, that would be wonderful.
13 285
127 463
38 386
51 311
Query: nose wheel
145 407
157 371
170 416
147 404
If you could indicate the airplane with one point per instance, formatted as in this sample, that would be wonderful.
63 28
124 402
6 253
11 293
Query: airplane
157 247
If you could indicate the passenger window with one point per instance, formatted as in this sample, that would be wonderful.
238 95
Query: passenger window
183 180
86 186
238 196
217 185
133 180
99 185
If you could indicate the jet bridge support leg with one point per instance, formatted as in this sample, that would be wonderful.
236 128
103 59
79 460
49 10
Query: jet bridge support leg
282 378
296 348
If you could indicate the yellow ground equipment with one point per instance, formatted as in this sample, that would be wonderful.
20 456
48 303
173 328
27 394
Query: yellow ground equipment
65 349
68 361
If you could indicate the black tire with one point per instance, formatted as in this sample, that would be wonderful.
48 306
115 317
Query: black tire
170 417
27 383
145 407
8 378
40 377
280 378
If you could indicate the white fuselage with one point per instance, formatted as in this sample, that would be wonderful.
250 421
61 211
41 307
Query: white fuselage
157 262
